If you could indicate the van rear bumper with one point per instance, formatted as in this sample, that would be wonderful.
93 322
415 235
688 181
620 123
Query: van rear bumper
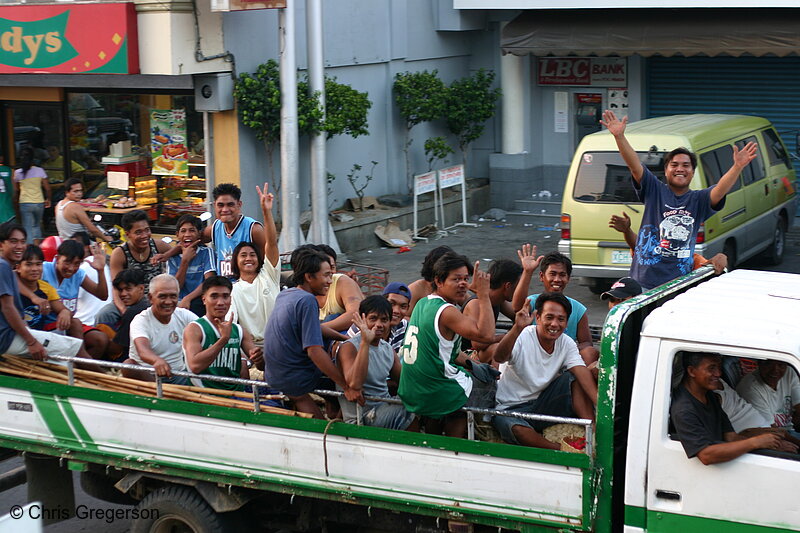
592 271
611 272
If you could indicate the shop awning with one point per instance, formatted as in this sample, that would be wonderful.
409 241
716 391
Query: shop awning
647 32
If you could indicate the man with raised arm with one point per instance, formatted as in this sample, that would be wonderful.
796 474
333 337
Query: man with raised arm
555 273
672 211
532 381
435 383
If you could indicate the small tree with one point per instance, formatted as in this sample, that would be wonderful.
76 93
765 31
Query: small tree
259 102
437 149
420 97
354 176
346 110
470 103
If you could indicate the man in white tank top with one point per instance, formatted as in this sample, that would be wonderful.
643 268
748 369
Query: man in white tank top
71 217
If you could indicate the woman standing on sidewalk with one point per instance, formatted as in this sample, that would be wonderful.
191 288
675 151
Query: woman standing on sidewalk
32 194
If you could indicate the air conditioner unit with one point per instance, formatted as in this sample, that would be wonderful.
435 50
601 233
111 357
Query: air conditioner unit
213 92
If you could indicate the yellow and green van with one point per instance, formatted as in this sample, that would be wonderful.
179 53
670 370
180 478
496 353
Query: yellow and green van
757 212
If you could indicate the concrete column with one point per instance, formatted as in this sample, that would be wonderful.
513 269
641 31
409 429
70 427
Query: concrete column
512 82
291 236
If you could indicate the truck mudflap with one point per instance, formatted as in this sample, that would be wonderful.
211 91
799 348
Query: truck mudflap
487 483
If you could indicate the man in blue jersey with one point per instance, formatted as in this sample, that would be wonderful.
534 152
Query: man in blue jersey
231 227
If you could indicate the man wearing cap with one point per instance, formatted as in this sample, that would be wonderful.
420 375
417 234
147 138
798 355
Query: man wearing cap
622 289
399 295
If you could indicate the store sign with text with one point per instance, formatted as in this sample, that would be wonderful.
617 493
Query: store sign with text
81 38
583 71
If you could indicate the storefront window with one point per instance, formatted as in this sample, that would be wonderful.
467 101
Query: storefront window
99 120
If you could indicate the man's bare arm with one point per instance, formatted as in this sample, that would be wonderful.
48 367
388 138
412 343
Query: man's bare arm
616 127
741 158
737 446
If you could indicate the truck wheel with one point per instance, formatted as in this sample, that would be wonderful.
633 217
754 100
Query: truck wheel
175 509
599 285
730 251
778 246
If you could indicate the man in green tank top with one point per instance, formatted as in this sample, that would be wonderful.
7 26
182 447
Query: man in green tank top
434 383
213 345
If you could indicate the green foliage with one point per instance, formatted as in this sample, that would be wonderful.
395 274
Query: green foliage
353 178
420 96
259 99
346 110
436 149
470 103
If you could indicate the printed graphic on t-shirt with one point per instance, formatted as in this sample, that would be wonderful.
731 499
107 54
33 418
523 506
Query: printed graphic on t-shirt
784 418
225 263
671 239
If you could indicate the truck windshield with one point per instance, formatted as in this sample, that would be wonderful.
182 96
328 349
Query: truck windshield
604 177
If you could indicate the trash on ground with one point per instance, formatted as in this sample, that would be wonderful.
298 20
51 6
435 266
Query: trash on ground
391 234
494 213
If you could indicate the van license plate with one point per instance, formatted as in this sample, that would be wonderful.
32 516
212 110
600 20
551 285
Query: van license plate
620 257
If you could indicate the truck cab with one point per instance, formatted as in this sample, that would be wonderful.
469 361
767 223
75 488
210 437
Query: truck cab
746 317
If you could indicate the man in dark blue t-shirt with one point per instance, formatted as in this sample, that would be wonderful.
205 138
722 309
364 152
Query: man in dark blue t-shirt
294 358
672 212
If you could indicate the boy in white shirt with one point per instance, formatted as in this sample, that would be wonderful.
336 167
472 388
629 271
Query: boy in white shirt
532 381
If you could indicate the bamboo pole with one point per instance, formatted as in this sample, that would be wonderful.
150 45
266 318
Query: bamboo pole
57 374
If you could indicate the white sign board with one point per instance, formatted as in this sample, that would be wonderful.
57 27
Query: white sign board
451 176
118 180
424 183
561 108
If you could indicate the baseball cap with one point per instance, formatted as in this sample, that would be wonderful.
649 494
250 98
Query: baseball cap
396 287
623 288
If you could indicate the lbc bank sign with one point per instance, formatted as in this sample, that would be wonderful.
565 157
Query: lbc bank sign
583 71
81 38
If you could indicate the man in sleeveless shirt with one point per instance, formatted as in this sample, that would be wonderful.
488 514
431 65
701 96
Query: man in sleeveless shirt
231 227
213 345
435 382
71 217
140 252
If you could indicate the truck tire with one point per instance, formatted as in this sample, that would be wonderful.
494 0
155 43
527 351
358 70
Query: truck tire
730 251
179 509
599 285
774 254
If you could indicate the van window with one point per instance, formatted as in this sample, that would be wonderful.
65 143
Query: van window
716 163
755 170
604 177
775 150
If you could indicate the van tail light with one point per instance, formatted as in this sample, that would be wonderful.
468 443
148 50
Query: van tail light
701 234
566 233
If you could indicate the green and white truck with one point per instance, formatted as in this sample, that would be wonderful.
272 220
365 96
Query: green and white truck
206 468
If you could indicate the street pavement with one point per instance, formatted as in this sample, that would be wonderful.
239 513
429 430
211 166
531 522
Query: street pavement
487 242
497 240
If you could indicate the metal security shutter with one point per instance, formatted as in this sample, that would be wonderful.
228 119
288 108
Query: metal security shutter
763 86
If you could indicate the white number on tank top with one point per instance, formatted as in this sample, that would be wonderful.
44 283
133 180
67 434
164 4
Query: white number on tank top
409 349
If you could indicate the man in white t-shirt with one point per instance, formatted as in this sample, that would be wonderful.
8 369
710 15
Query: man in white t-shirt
156 333
774 391
532 381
